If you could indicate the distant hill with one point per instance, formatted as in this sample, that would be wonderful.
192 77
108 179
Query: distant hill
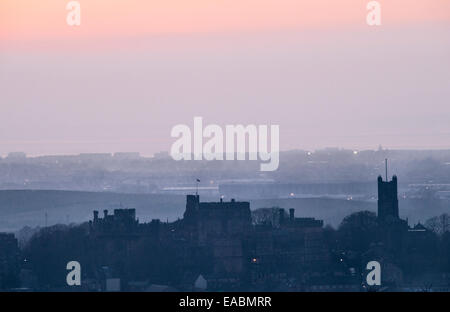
21 208
332 211
26 207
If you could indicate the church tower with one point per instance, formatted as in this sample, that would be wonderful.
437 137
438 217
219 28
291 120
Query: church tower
387 199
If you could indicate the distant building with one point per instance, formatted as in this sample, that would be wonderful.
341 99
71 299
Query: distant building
113 284
95 156
16 157
201 283
270 189
161 155
127 156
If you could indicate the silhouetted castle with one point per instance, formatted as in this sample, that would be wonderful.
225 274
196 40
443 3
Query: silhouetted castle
121 221
219 241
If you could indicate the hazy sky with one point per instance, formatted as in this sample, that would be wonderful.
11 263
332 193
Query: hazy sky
133 69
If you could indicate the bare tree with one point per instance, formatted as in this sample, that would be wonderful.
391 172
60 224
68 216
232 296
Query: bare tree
439 224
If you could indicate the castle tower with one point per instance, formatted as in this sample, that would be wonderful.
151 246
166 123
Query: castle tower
192 205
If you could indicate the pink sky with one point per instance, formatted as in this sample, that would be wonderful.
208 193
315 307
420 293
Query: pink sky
135 68
45 19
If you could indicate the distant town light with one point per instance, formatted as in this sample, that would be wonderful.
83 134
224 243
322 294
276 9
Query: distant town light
355 152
